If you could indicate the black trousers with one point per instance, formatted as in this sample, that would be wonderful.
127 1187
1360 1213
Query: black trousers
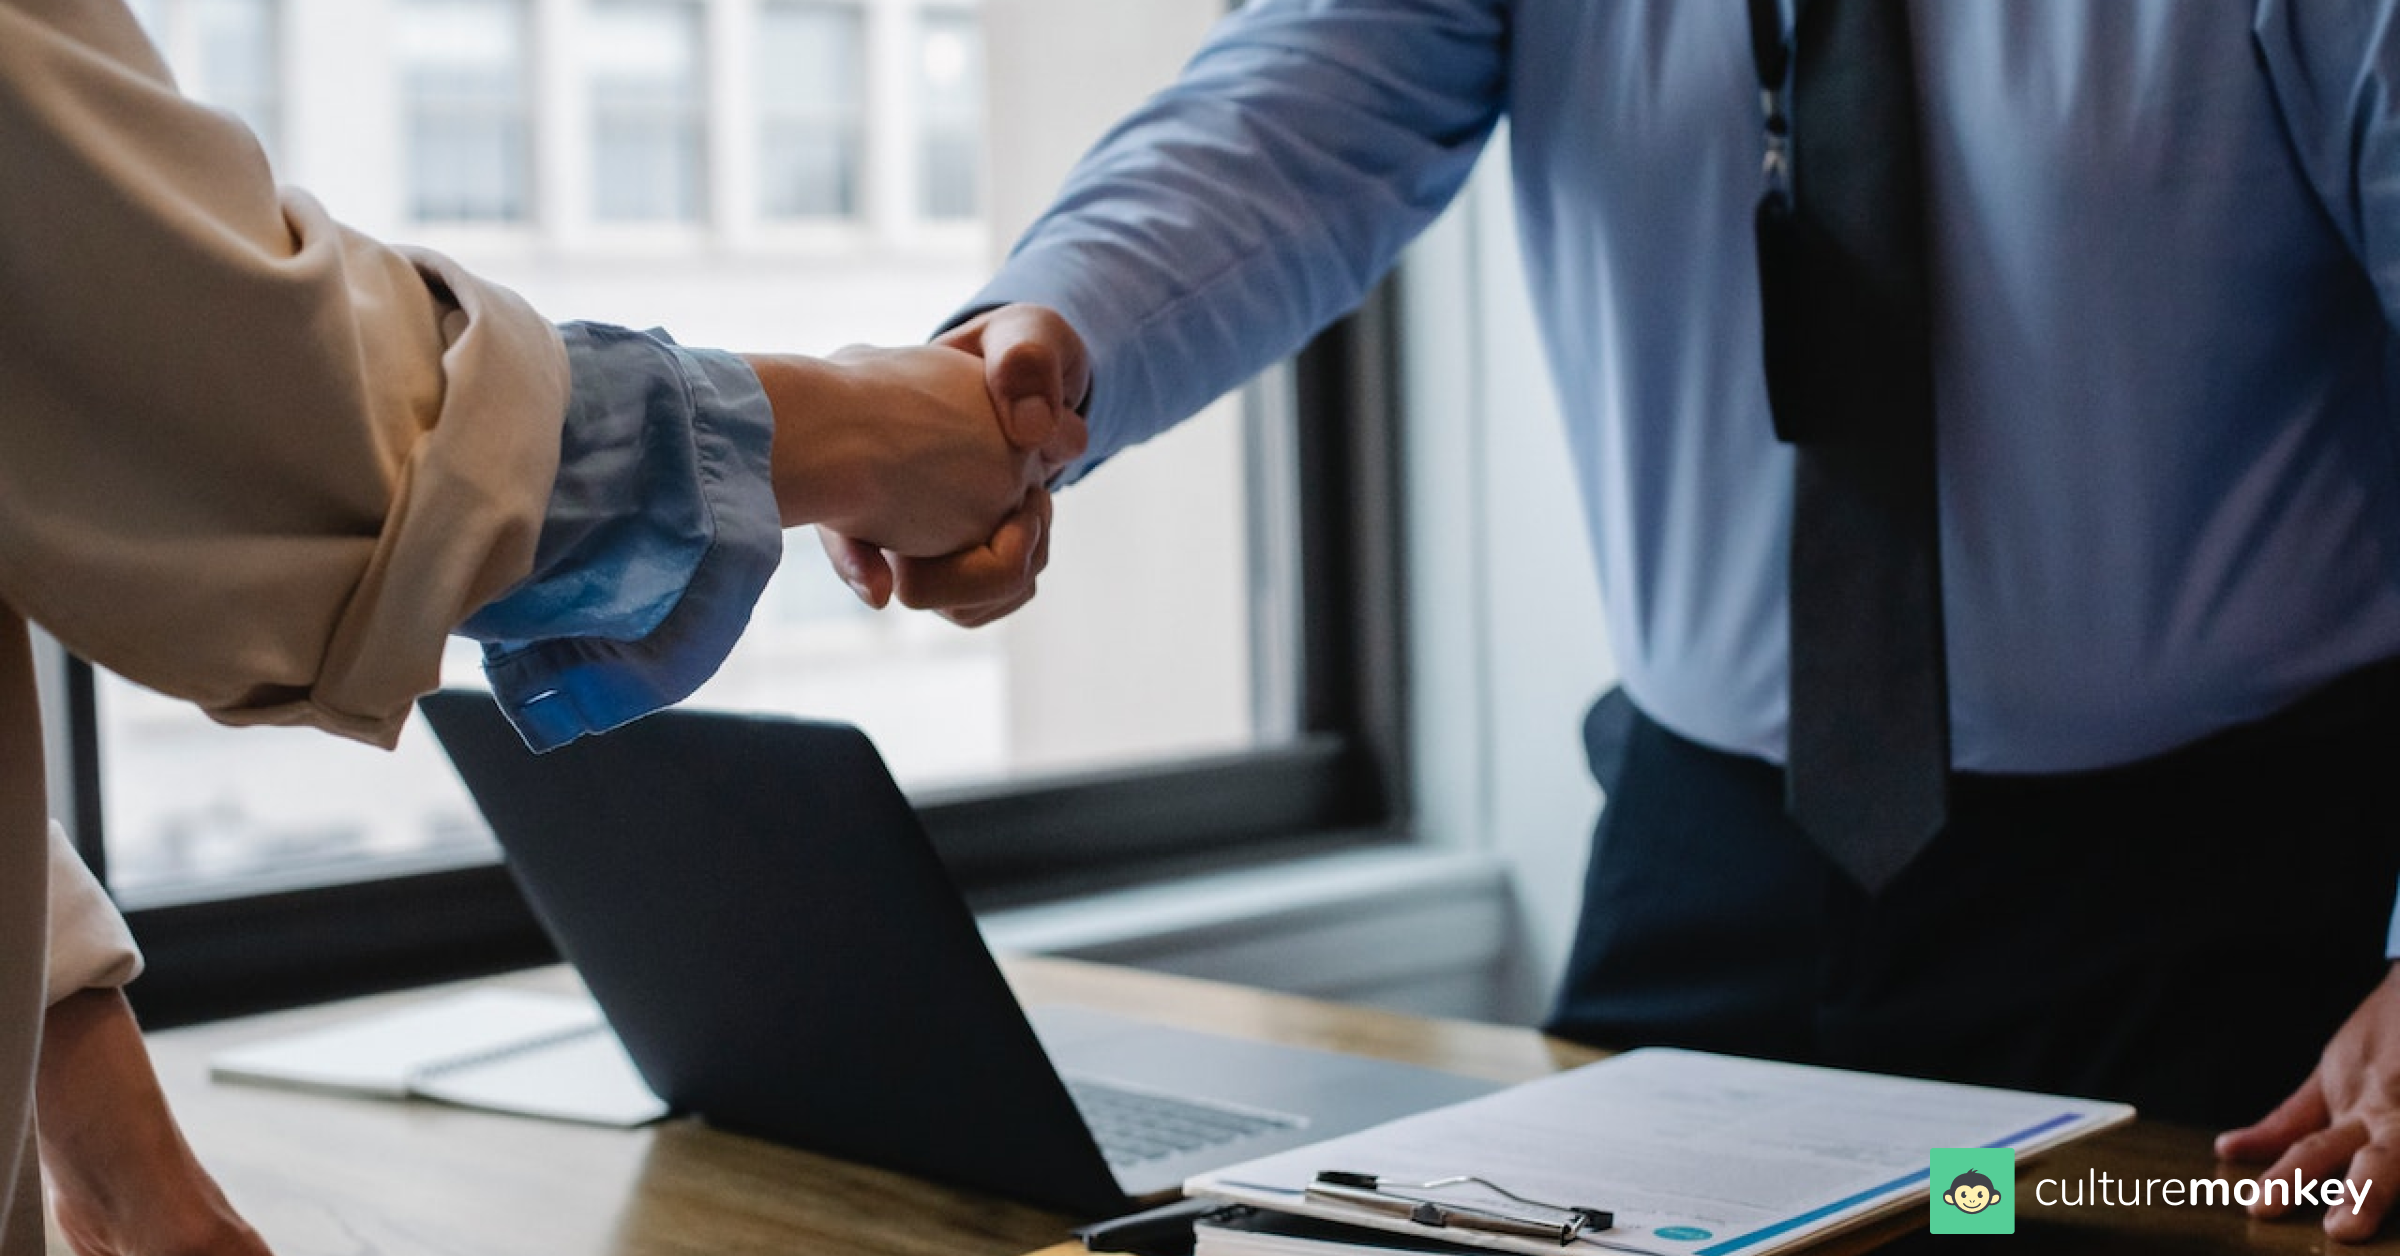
2184 933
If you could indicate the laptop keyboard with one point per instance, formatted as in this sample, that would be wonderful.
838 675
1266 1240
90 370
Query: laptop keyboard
1134 1126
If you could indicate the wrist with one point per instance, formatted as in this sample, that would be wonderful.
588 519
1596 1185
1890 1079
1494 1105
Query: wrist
817 441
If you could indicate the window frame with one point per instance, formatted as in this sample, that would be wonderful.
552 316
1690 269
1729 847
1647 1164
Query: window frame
1342 781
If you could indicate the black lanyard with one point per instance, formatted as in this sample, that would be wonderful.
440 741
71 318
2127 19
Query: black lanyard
1771 53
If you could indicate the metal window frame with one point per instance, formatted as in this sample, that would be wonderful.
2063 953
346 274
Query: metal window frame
1342 781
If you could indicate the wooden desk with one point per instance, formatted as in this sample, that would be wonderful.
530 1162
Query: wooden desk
331 1176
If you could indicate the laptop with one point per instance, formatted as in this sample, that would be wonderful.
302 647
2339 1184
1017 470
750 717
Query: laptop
761 917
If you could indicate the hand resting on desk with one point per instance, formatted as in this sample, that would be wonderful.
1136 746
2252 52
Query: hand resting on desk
122 1180
2344 1121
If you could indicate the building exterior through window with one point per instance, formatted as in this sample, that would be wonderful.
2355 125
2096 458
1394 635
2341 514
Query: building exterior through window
750 174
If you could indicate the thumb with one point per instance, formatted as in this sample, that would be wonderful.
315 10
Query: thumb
2301 1114
1037 371
1025 385
861 566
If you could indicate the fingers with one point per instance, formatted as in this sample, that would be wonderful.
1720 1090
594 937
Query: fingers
989 612
2298 1116
2378 1162
971 588
992 575
2319 1155
1038 372
861 566
977 617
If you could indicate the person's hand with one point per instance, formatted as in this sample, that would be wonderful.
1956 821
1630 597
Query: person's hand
2344 1121
1038 374
122 1180
899 448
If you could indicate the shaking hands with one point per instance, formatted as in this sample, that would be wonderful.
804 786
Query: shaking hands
935 510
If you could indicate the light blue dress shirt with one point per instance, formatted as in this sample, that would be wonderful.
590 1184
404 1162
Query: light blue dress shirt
661 531
2166 256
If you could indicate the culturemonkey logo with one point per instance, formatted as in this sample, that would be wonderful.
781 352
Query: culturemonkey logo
1974 1190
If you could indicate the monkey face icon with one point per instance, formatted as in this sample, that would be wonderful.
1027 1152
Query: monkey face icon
1971 1192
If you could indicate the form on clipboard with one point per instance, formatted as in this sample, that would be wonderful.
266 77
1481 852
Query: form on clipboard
1688 1153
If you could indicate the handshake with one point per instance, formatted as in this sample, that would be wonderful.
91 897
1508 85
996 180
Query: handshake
926 469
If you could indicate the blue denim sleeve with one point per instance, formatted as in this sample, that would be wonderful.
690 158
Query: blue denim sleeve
662 530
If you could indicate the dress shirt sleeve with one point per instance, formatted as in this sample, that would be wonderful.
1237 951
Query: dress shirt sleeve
89 943
2335 71
1259 197
661 531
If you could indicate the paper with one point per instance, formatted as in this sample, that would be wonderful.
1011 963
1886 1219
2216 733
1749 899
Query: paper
587 1078
1696 1154
507 1050
1251 1232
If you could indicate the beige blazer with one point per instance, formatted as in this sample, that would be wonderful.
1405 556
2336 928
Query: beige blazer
248 457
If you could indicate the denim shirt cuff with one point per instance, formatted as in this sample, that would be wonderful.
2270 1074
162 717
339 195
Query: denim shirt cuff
663 532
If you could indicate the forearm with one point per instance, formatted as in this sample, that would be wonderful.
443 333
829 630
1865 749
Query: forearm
121 1175
100 1108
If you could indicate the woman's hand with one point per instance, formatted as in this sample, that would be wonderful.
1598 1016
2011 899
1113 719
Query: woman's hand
122 1180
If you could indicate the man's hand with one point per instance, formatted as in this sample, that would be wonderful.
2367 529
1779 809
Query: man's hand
2344 1121
900 448
122 1180
1037 373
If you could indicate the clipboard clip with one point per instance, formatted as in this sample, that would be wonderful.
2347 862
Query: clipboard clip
1424 1204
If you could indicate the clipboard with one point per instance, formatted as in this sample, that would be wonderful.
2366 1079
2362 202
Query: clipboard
1690 1153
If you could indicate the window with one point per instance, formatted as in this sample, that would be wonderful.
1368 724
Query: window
225 52
812 147
648 129
1208 673
949 69
197 810
464 86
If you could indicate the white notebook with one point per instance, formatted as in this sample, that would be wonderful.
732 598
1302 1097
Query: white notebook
546 1055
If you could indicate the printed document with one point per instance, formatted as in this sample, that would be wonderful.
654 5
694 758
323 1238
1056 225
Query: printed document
1693 1154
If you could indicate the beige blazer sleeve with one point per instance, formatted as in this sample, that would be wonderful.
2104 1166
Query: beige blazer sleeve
248 457
89 943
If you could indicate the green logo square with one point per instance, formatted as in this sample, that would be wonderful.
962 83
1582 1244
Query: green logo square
1974 1190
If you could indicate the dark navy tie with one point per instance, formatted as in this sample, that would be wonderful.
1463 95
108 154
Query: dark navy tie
1849 377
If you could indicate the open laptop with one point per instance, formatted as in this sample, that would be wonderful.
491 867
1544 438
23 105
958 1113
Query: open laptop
761 917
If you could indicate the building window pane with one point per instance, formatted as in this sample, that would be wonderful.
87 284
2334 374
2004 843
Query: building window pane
648 121
463 79
193 809
811 110
225 53
950 74
237 63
